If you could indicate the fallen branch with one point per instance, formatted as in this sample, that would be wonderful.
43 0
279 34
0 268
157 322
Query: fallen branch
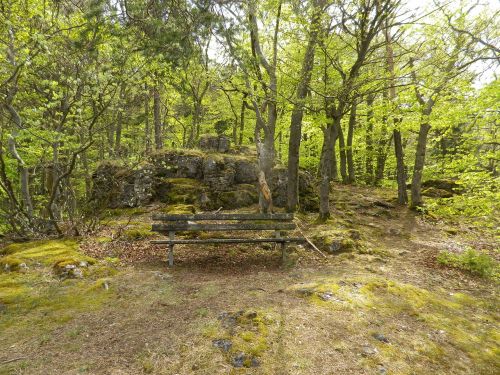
307 239
12 360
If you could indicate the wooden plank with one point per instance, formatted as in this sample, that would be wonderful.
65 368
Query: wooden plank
179 227
221 216
228 240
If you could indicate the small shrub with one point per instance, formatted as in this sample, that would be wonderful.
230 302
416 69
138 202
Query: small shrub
473 261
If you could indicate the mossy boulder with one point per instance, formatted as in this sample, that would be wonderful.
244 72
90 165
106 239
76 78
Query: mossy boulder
178 190
207 180
178 164
179 209
116 186
62 255
244 195
336 241
434 192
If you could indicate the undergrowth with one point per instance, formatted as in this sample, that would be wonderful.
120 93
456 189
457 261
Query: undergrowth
478 263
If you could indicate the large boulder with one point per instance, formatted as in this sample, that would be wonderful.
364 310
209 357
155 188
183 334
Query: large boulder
178 164
245 171
218 172
207 180
117 186
308 195
215 143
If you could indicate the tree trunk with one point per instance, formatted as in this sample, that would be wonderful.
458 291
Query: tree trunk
416 183
350 162
325 172
384 145
118 132
400 167
342 152
398 144
298 110
242 118
157 118
147 126
369 139
334 168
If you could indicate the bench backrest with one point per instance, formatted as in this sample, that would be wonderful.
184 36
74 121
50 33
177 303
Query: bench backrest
187 222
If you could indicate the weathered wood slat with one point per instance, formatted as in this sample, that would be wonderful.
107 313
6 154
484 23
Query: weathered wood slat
182 226
221 216
228 240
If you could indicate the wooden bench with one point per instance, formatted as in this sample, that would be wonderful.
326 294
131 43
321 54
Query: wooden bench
170 224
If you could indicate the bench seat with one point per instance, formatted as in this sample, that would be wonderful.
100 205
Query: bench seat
223 222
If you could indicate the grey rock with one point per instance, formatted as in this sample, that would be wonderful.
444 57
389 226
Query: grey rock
380 337
216 143
218 173
327 296
177 164
223 344
243 360
381 369
368 351
120 187
245 171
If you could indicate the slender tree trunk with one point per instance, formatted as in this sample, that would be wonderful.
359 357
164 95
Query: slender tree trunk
21 166
147 126
400 167
398 144
118 132
350 162
325 173
384 145
157 118
334 138
416 183
342 153
242 118
369 139
298 110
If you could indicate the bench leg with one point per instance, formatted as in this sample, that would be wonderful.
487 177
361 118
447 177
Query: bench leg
171 236
171 255
283 252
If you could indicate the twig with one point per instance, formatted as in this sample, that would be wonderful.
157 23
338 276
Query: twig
12 360
308 240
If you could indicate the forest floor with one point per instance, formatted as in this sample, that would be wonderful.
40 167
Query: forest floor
384 307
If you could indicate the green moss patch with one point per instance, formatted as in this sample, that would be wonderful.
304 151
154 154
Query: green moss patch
179 209
244 336
179 190
36 300
44 253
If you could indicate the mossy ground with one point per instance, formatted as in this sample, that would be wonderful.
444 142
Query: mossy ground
130 314
34 300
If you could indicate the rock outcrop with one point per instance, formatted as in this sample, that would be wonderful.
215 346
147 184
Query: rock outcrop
206 180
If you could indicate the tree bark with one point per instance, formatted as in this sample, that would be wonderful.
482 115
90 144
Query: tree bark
369 140
325 173
416 183
342 153
400 167
244 105
351 178
298 110
147 126
157 118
